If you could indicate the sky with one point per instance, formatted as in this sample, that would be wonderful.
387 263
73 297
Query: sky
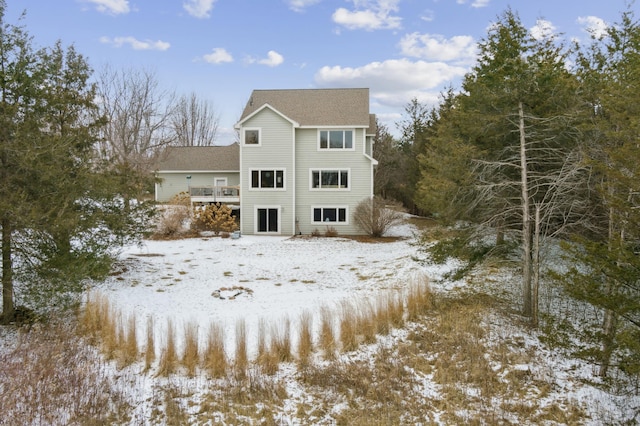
221 50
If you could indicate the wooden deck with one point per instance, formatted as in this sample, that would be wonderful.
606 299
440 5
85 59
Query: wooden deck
215 194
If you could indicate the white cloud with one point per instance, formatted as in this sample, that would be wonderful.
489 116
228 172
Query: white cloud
300 5
428 16
542 29
199 8
369 15
136 44
435 47
113 7
218 56
595 26
273 59
475 3
396 78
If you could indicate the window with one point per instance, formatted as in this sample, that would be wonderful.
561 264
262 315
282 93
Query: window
267 219
336 139
252 136
330 179
267 179
329 215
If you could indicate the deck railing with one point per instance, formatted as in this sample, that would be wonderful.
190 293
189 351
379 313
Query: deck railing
215 193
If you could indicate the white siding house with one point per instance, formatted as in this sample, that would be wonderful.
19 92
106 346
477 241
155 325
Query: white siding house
305 160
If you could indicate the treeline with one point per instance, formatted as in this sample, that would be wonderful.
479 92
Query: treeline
77 151
541 143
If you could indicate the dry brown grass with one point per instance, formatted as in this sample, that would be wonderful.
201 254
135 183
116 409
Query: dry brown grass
191 351
305 340
367 323
215 358
327 340
267 359
348 327
241 360
168 362
129 352
150 348
53 377
281 340
449 340
419 298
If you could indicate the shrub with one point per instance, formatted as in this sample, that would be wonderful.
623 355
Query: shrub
214 217
374 217
331 232
174 215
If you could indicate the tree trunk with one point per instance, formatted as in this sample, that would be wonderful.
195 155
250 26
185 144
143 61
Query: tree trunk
609 322
526 219
8 309
536 269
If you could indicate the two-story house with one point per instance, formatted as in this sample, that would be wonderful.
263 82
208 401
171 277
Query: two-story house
305 160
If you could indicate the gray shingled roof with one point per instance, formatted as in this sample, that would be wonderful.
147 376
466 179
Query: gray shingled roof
219 157
315 107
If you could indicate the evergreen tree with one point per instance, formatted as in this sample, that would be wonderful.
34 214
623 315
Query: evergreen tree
607 271
59 218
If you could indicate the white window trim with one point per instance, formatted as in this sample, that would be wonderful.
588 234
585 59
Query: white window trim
337 223
327 149
244 130
255 219
332 169
275 169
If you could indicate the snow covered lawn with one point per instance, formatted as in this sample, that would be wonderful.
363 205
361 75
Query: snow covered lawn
222 280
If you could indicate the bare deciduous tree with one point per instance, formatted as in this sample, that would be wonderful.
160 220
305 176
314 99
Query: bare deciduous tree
194 122
138 112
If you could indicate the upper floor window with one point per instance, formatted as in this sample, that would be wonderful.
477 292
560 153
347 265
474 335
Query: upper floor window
267 179
252 136
330 179
336 139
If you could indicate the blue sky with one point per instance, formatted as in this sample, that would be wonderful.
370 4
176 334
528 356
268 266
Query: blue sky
223 49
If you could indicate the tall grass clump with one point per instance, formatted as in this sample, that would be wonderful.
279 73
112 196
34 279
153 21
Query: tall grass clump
396 310
367 326
327 341
190 353
384 305
305 340
241 363
267 359
150 349
215 359
419 298
129 347
281 340
348 327
169 356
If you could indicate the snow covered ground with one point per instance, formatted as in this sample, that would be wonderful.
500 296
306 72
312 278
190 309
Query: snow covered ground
256 278
275 279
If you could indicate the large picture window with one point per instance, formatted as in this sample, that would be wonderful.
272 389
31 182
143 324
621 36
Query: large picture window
336 139
329 215
267 179
329 179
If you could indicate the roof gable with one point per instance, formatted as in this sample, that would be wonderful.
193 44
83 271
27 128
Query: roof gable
314 107
203 158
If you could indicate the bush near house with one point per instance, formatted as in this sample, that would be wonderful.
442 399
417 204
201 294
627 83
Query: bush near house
214 217
373 216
